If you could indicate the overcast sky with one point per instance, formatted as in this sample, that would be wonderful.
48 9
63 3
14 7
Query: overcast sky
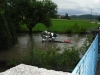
78 7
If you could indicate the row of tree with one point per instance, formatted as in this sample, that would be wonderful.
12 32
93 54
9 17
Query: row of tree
85 16
14 13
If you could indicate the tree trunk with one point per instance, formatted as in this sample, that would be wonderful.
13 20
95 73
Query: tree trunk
32 48
30 31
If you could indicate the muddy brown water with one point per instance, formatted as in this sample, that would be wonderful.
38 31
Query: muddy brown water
23 46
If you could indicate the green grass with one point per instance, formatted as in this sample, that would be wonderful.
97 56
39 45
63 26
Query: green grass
63 25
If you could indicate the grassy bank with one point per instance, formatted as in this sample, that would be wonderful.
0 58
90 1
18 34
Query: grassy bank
64 26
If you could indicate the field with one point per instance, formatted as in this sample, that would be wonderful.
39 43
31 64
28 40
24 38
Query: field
65 26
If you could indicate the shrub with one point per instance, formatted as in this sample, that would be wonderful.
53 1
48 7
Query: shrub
52 59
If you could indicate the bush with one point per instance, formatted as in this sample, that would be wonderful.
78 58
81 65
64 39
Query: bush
52 59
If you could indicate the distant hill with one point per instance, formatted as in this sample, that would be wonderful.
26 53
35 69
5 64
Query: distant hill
85 16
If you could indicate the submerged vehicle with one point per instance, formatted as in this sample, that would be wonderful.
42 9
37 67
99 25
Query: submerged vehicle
48 36
51 37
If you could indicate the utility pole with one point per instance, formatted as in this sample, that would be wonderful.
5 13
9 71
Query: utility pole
91 16
95 17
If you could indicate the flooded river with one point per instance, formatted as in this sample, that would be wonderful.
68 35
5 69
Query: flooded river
23 46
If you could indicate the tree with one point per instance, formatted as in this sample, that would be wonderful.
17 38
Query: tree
15 13
7 34
66 16
31 12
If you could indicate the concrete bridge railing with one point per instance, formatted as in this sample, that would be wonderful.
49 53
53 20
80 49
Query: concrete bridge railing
88 63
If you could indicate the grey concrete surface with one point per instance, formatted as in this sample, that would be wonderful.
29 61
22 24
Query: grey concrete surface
23 69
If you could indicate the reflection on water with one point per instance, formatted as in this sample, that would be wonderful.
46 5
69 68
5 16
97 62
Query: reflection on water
23 46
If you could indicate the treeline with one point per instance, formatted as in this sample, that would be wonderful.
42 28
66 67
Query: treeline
14 13
85 16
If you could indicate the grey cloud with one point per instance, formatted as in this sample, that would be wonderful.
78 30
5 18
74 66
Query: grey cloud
73 7
77 11
71 11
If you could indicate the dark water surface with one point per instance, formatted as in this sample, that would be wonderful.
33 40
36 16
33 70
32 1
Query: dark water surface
22 48
24 44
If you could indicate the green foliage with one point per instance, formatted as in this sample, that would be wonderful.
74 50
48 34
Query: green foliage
73 29
5 36
66 16
14 13
31 12
82 31
85 16
11 27
52 59
90 38
11 63
8 33
76 29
